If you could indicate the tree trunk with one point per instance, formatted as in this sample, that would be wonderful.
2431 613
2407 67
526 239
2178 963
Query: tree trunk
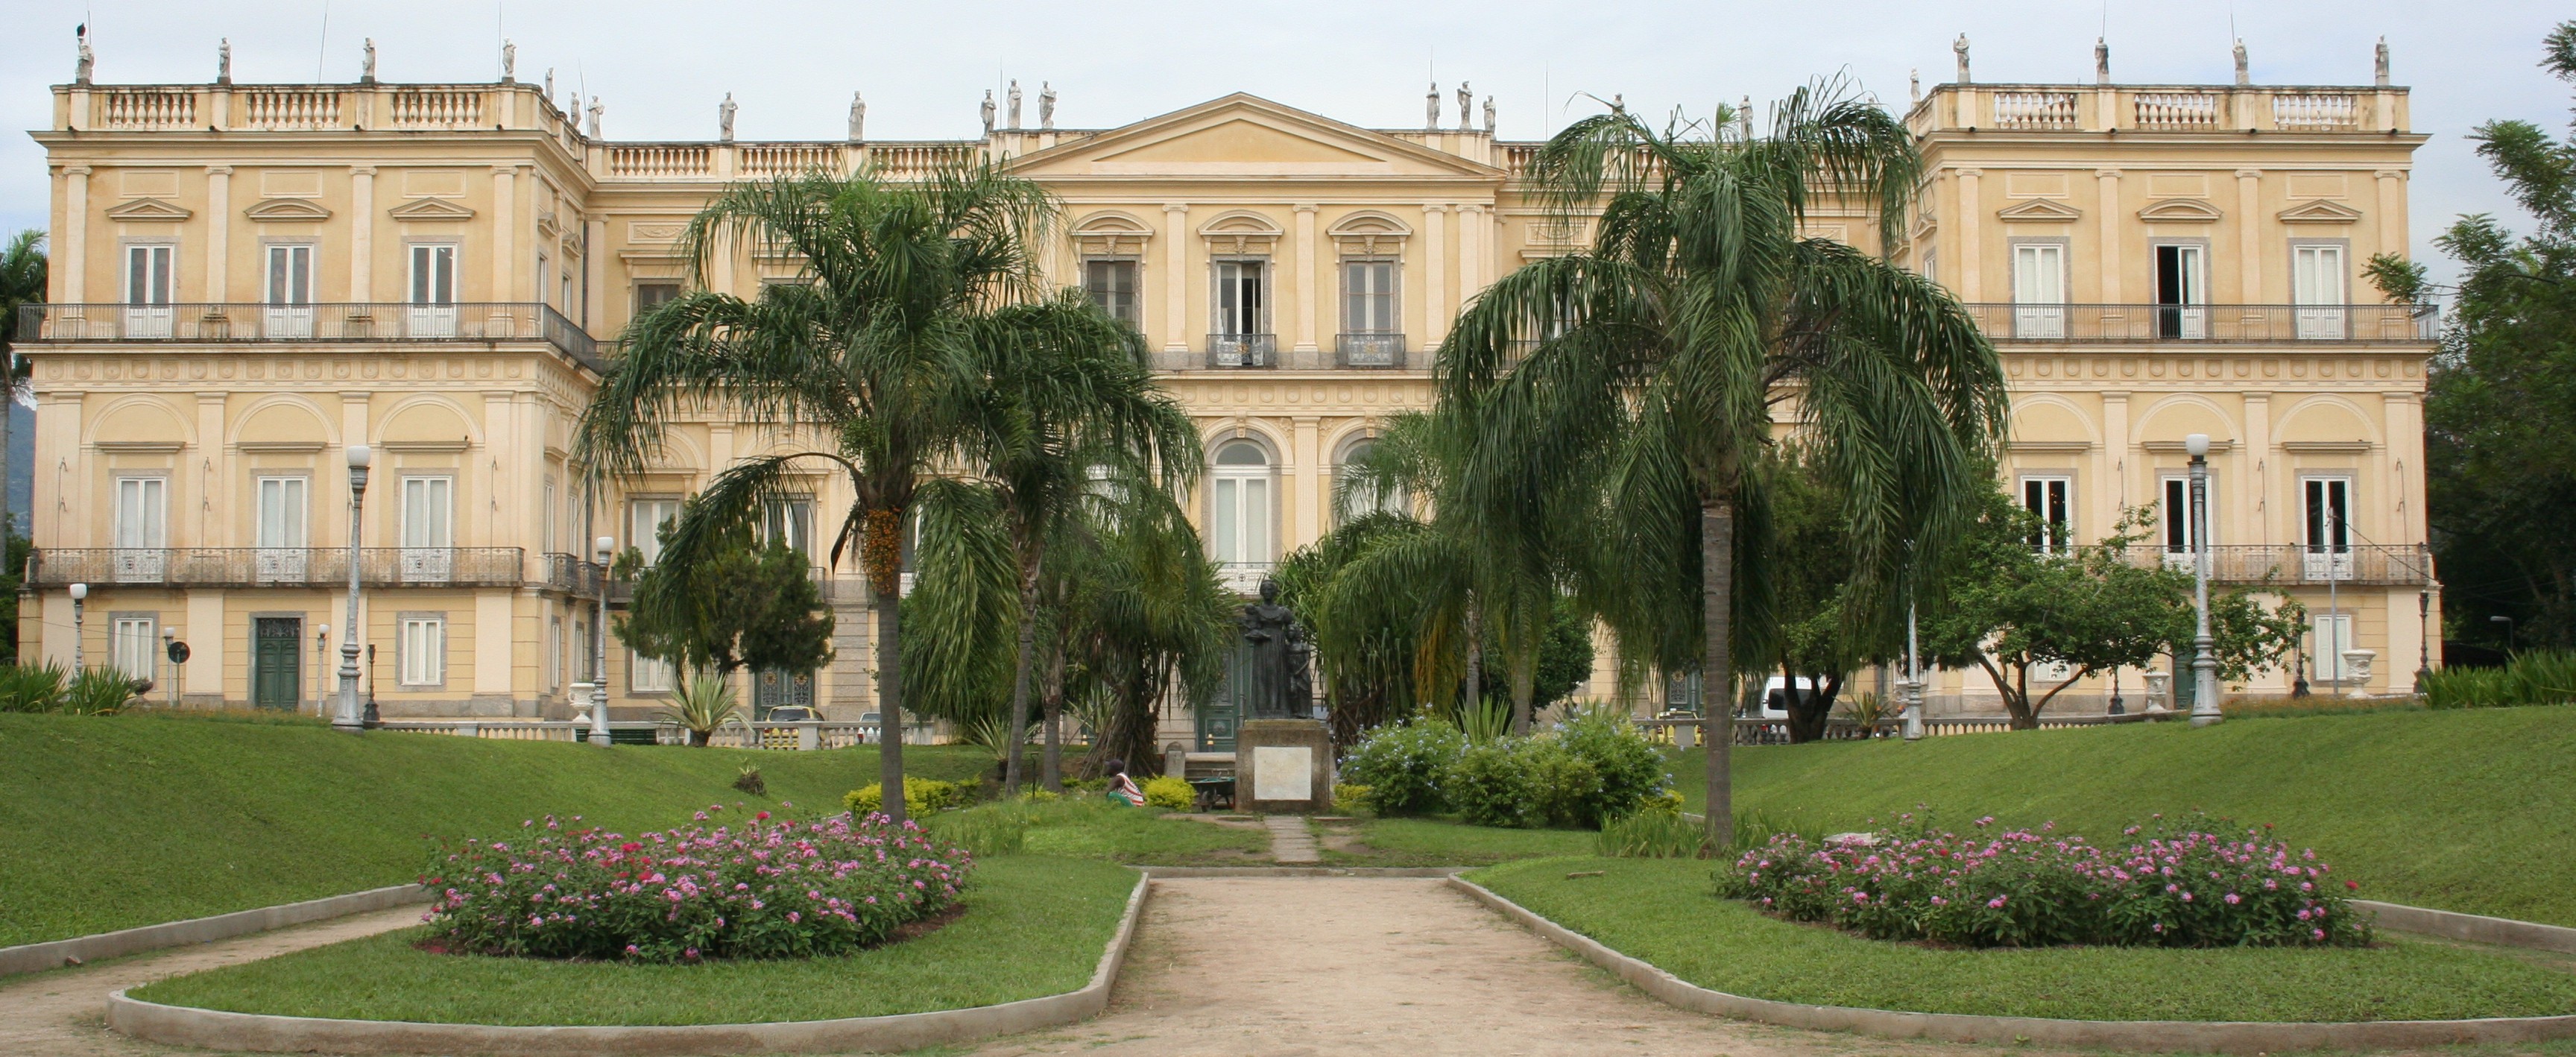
1051 766
1475 703
1717 615
1521 664
890 700
1020 675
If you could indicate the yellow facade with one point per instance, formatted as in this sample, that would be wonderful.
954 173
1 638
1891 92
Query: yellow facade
249 278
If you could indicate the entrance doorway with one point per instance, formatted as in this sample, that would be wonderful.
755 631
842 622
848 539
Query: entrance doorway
276 662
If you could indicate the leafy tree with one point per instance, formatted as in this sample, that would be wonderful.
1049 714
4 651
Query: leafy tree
1826 626
741 605
2015 612
1666 352
868 365
2500 410
22 282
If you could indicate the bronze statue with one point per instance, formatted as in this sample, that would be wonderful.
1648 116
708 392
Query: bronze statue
1279 684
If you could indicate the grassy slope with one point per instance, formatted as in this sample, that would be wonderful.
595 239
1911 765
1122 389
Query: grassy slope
131 820
1662 910
1033 926
2458 810
1436 842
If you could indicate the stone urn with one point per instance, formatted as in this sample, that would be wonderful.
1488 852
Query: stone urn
2157 684
2356 666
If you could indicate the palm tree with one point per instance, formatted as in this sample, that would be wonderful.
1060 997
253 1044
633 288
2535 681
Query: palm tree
22 282
1068 392
871 359
1697 324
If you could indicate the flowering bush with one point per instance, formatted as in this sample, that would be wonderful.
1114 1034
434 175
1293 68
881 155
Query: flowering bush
1403 765
766 889
2029 889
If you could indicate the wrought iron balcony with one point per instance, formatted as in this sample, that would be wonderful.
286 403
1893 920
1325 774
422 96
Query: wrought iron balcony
313 567
622 592
569 574
236 323
2299 565
1243 578
1243 350
1369 350
2206 324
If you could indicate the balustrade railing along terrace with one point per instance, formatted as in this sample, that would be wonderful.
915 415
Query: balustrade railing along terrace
319 567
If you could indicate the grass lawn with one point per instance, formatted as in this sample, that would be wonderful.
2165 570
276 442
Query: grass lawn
132 820
1033 926
2461 810
1434 842
1664 911
1089 827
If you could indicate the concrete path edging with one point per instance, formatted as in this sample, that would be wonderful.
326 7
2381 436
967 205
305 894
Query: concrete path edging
2188 1036
54 954
1303 871
2475 928
221 1030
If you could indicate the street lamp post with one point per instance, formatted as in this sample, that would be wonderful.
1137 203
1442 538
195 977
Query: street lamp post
2204 661
321 662
604 546
80 598
348 719
2423 637
1913 686
170 639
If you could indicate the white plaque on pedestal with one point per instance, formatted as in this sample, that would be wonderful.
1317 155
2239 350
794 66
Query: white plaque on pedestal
1283 772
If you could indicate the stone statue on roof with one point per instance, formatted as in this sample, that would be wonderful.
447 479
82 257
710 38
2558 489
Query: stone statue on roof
1466 103
858 117
509 61
2242 75
1046 106
224 61
724 118
367 65
1431 108
1960 46
595 111
87 61
987 109
1015 104
2379 63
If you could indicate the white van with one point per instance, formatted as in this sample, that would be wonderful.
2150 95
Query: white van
1775 697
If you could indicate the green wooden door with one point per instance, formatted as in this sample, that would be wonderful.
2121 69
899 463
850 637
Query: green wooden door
276 664
1217 717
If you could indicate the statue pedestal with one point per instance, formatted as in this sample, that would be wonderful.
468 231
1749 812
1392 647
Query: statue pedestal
1283 766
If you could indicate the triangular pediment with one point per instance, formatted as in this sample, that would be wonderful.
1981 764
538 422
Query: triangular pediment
2040 209
148 209
430 209
1245 135
2180 209
2320 212
287 209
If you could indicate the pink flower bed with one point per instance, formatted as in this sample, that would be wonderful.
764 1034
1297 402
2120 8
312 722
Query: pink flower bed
2020 888
768 888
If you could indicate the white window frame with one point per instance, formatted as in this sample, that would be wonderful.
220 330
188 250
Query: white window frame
2039 287
420 661
2173 517
645 516
1239 278
2052 497
2329 634
281 512
1243 510
548 524
2187 319
2320 283
792 519
151 282
286 288
580 650
554 651
431 290
1372 295
139 526
2325 534
1124 305
645 675
134 644
428 528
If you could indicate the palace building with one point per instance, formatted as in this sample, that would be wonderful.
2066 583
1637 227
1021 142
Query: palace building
249 278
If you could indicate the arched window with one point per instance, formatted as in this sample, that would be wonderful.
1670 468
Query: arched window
1365 500
1239 518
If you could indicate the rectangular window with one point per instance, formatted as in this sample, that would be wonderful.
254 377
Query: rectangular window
134 646
1368 297
428 526
148 290
2327 504
2047 497
789 523
279 533
650 676
142 509
649 296
2173 513
546 523
2330 634
645 531
581 651
424 650
545 276
2317 288
288 292
433 291
2181 288
1242 519
2039 290
1112 286
1241 304
554 653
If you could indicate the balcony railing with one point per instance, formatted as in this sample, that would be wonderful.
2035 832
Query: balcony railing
2298 565
1369 350
227 323
2210 324
316 567
622 592
568 574
1243 350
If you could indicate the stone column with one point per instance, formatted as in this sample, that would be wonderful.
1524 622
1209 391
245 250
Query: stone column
1316 285
71 251
1435 274
1176 285
2249 235
505 202
2112 262
362 232
1971 250
2392 211
594 271
219 223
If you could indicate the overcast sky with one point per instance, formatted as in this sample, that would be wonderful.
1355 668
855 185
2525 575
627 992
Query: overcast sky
662 67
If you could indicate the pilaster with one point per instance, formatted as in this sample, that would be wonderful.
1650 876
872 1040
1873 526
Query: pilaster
2111 261
362 233
2249 235
1176 287
71 251
219 223
1315 292
1971 250
1435 274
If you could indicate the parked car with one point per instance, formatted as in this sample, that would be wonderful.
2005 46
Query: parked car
793 714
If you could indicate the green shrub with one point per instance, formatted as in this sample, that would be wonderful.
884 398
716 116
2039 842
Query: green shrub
2538 677
32 687
1524 783
1349 798
97 692
921 796
1169 792
1651 834
1403 766
1628 768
